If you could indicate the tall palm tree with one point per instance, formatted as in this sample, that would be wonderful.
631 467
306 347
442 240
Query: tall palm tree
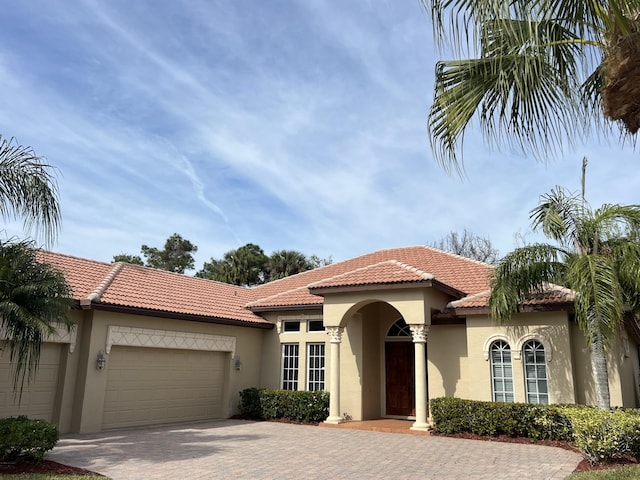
545 72
596 254
28 189
34 297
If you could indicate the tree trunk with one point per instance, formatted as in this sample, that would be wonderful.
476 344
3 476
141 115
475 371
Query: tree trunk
600 372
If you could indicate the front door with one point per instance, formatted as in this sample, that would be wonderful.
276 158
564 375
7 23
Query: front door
400 381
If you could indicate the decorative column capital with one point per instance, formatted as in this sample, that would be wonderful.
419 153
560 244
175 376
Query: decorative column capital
335 334
419 333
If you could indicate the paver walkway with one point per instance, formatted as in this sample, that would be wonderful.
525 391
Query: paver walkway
266 450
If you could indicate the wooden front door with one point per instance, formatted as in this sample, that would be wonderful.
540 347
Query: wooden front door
400 381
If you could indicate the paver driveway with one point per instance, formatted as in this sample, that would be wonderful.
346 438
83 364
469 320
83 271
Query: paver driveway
242 449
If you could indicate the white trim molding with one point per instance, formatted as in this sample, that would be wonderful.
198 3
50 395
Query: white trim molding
490 340
147 337
548 354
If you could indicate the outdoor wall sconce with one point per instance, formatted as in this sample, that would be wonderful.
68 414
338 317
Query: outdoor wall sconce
101 361
238 363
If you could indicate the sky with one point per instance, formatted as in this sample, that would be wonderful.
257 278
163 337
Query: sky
297 125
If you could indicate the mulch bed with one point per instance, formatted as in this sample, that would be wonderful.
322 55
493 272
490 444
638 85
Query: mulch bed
45 466
584 464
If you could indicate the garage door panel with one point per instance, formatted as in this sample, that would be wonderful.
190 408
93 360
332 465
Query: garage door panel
147 386
38 398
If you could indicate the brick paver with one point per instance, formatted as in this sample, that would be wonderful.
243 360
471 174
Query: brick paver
265 450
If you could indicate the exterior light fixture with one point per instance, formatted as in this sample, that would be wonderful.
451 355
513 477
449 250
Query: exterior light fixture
101 361
238 363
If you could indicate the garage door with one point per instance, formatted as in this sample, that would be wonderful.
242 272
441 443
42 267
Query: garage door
38 398
147 386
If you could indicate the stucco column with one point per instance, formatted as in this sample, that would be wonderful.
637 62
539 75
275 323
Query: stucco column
419 333
335 336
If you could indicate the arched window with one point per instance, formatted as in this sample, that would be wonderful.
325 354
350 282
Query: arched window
501 372
535 372
399 329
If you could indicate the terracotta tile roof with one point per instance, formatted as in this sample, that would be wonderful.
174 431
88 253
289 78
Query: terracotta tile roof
460 273
126 286
552 295
387 273
133 286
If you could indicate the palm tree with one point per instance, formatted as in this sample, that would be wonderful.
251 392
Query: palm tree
34 297
545 72
28 189
596 255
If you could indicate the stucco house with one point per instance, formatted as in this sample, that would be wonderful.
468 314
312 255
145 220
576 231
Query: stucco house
383 332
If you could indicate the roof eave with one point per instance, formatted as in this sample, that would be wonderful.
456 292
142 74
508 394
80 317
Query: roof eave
322 291
280 308
86 304
561 306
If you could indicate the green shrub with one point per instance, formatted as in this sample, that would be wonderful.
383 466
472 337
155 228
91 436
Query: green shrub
24 439
298 406
250 403
539 422
603 435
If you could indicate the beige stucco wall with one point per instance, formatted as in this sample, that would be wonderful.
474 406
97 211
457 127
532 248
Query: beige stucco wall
447 364
622 361
550 328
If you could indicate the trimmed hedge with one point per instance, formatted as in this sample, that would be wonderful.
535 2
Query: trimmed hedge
22 438
601 435
297 406
539 422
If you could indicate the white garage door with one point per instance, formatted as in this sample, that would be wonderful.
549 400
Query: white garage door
38 398
147 386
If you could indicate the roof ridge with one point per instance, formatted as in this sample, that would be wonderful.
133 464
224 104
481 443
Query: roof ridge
102 287
275 295
455 255
416 270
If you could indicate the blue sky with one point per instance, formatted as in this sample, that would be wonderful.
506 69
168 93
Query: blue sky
290 124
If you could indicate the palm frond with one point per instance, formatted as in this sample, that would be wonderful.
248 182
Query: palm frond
524 87
558 215
28 189
599 301
523 272
34 297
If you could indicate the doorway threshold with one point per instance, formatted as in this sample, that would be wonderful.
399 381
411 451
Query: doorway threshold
388 425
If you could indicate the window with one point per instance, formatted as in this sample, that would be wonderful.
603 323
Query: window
535 372
290 352
291 327
315 326
399 329
315 366
501 372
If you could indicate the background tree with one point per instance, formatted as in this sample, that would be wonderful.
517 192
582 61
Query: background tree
249 265
176 256
246 265
545 72
127 258
34 297
28 189
469 245
597 255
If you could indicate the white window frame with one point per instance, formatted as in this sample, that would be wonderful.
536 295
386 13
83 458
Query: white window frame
316 366
290 372
503 395
536 396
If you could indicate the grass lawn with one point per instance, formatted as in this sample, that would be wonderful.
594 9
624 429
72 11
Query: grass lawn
631 472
